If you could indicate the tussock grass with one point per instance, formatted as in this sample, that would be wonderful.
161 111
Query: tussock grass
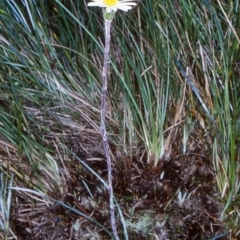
173 117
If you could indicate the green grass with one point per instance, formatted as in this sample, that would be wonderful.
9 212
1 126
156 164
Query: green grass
5 205
173 83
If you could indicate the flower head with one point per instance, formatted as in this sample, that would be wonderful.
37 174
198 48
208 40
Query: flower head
113 5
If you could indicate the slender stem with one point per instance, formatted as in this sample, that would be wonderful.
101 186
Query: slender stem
107 26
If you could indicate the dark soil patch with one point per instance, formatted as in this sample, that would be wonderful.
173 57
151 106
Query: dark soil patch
178 196
177 199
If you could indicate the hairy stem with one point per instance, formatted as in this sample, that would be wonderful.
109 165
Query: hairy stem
107 25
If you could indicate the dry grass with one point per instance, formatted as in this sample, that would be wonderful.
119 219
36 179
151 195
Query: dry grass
173 123
176 199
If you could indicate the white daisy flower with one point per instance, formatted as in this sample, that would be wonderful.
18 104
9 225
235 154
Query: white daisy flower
113 5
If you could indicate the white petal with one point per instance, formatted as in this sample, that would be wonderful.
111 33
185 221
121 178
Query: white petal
127 2
124 8
99 3
108 10
95 4
115 8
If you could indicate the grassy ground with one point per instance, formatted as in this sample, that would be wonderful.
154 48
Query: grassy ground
172 119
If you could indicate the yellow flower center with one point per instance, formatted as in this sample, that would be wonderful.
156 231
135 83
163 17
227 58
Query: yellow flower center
110 3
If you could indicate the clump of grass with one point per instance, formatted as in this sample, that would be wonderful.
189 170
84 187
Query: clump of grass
172 102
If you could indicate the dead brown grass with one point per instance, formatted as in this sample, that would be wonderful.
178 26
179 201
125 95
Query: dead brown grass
143 191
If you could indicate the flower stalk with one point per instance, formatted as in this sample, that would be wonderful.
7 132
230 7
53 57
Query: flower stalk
108 17
109 9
